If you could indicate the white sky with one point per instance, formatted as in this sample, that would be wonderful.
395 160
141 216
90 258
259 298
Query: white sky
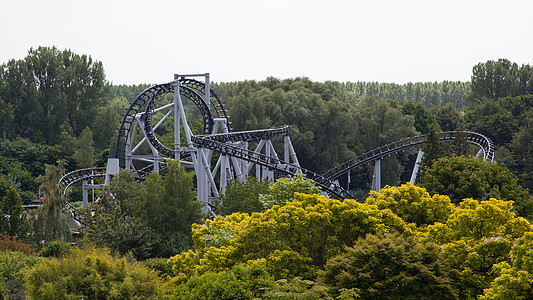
141 41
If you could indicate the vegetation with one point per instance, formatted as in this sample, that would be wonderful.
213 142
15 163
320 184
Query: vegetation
91 274
461 231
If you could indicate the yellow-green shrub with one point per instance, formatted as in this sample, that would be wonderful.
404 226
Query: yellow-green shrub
91 273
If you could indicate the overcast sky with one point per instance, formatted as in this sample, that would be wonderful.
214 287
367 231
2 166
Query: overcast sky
342 40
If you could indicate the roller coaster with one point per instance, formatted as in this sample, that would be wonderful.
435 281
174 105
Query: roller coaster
140 146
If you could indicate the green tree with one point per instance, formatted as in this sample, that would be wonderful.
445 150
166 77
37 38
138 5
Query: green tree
493 120
283 190
432 149
515 276
314 111
424 119
12 217
447 116
169 208
468 177
497 79
377 123
413 204
390 266
242 197
84 153
50 88
50 221
522 146
12 267
113 225
459 145
475 238
294 240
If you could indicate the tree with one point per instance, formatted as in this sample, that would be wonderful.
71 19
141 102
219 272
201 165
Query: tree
475 238
12 217
294 240
492 120
522 146
424 119
113 225
242 197
84 153
497 79
50 88
379 122
459 145
515 276
447 116
413 204
432 149
169 208
50 221
283 190
468 177
390 266
313 110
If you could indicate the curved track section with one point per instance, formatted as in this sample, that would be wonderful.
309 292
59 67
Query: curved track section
80 175
184 92
146 101
217 105
483 142
217 143
247 136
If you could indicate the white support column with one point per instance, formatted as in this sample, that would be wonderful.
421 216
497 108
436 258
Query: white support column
376 179
85 202
480 154
265 169
112 169
416 168
177 126
128 146
292 154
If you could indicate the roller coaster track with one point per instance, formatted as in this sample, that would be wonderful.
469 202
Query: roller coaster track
146 101
219 143
483 142
80 175
76 176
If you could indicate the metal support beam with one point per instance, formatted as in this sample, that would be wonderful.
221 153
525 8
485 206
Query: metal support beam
416 168
376 178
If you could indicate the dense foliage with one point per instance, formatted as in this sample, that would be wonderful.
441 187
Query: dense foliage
153 220
91 274
461 231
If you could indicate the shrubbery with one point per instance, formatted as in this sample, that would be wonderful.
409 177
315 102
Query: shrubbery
91 274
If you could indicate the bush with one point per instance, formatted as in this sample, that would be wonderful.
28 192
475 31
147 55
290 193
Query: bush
55 249
91 273
8 243
12 266
240 282
160 265
390 266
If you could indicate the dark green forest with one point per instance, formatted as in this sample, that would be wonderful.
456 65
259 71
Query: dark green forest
462 231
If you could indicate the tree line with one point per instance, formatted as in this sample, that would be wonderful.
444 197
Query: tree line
463 229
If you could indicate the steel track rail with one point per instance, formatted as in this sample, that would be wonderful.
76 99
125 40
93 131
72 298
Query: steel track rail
474 138
248 136
272 163
189 88
79 175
